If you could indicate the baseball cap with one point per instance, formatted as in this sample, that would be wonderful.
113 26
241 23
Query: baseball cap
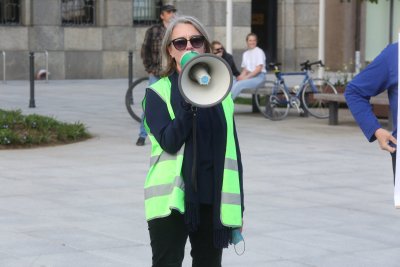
168 7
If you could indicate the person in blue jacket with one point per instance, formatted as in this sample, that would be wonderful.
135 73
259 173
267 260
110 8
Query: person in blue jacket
380 75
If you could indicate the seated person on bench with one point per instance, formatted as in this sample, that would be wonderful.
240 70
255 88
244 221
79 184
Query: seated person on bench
253 67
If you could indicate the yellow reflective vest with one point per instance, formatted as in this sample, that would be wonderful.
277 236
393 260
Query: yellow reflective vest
164 186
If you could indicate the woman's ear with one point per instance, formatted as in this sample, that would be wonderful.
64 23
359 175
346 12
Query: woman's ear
170 50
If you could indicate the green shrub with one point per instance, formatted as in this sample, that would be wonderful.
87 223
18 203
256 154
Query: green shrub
17 130
8 137
243 101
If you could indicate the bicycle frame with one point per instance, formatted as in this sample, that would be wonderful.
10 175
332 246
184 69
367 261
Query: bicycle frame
307 79
276 105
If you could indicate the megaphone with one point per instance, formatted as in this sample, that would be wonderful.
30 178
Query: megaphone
205 79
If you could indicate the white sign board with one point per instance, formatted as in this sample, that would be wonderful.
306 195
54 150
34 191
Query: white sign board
397 176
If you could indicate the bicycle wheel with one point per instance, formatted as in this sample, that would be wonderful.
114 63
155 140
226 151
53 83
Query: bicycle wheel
134 96
272 101
316 107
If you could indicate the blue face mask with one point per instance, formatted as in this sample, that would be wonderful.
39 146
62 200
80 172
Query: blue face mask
236 239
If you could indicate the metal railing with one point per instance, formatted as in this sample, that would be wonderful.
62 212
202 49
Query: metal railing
46 53
46 70
4 65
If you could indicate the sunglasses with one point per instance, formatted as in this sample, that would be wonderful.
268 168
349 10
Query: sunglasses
180 43
218 50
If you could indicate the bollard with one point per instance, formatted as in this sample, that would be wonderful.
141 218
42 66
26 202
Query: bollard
254 108
32 79
46 53
4 66
130 68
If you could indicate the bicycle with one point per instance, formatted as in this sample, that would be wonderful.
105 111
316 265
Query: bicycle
275 102
134 96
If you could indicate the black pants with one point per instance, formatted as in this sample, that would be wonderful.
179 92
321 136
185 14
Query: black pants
168 238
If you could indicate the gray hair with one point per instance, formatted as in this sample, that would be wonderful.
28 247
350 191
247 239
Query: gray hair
168 63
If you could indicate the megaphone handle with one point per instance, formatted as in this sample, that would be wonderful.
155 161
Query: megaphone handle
194 164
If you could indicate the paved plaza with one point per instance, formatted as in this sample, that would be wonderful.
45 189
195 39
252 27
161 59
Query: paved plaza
315 195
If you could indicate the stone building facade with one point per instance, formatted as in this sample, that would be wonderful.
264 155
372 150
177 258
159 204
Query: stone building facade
289 29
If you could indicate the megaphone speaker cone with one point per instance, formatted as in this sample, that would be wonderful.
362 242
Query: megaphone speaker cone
205 80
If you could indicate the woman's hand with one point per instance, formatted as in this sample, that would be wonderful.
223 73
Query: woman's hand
383 137
245 75
241 77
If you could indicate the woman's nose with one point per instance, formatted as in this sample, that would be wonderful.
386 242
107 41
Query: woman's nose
189 46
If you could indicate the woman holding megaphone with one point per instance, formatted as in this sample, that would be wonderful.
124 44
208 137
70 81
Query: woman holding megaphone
194 185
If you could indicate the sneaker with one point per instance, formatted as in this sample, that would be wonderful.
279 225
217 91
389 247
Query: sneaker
140 141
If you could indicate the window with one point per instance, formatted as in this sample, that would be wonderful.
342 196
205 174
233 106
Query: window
10 12
78 12
146 12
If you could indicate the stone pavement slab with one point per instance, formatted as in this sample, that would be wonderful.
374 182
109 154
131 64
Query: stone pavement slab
315 195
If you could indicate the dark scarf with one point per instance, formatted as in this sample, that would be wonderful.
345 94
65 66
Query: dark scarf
222 234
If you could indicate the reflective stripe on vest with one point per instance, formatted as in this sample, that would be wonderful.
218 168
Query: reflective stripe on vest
231 164
163 157
163 189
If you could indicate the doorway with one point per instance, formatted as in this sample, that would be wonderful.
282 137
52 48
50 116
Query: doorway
264 24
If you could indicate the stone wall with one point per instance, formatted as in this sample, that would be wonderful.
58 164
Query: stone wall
94 52
297 32
101 51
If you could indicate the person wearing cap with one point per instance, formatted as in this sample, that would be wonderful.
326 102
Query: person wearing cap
150 54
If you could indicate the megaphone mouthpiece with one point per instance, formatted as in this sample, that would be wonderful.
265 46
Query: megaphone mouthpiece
187 56
199 74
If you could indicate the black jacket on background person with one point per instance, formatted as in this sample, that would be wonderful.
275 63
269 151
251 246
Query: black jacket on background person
229 59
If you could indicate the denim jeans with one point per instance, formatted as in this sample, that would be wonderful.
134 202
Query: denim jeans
254 82
143 133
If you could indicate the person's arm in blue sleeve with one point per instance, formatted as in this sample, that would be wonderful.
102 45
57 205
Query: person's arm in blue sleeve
370 82
170 134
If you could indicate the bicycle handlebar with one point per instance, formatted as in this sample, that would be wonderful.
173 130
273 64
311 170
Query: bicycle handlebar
274 65
306 65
